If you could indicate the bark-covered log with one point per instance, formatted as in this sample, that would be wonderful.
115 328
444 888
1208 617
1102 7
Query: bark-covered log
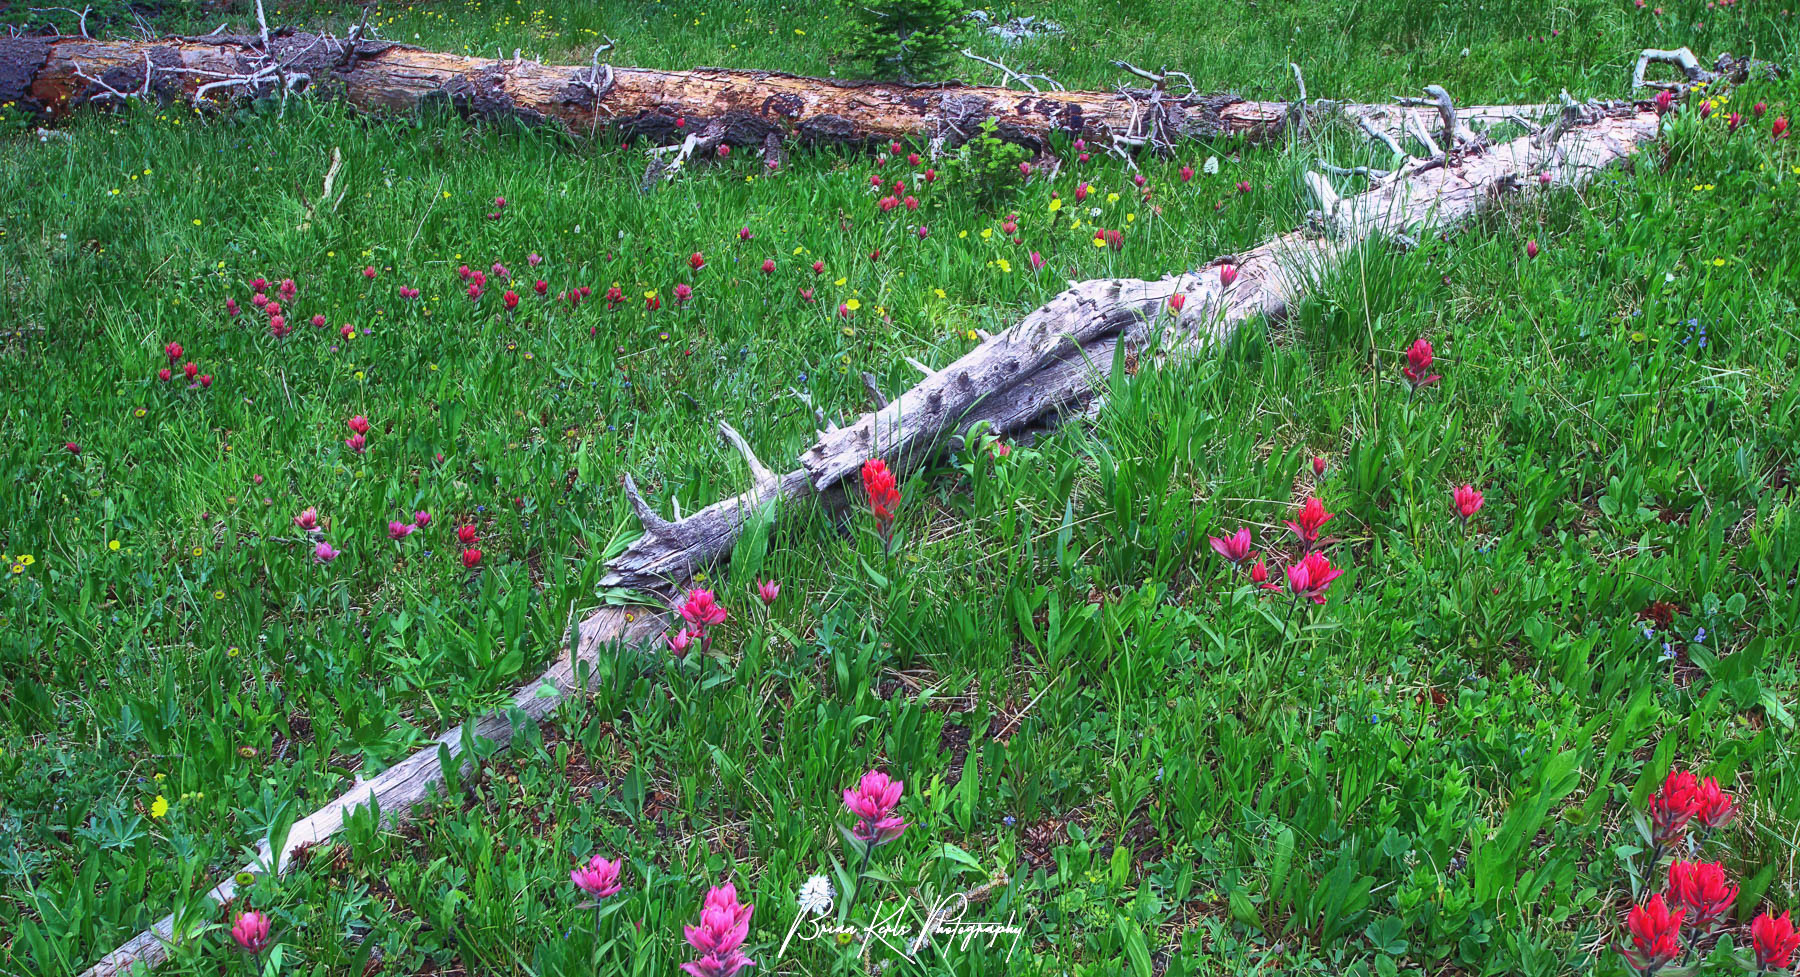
54 76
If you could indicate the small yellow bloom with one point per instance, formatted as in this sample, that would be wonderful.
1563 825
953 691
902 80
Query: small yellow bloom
27 559
1005 266
112 544
159 807
1130 217
1112 198
1099 242
196 222
840 282
198 550
940 293
853 305
962 234
1718 262
218 595
987 232
1056 205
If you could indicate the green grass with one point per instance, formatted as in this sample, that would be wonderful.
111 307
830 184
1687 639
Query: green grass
1434 772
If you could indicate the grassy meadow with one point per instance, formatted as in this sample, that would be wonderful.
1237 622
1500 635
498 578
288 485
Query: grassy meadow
1140 758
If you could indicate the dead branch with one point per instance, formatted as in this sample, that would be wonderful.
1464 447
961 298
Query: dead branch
1011 75
81 16
1680 57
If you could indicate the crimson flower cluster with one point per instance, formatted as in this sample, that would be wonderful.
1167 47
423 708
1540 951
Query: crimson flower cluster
1683 801
700 610
1697 895
189 370
1417 370
719 939
883 493
1309 572
873 801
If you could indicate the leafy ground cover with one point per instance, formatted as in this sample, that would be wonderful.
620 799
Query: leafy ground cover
1136 753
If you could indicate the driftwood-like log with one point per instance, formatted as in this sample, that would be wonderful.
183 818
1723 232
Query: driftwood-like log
1268 279
1057 356
705 107
1050 364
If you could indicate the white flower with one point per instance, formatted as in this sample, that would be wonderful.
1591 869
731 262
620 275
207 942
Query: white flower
1211 165
815 896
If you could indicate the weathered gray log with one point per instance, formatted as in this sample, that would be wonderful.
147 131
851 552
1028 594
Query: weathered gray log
1267 282
1052 362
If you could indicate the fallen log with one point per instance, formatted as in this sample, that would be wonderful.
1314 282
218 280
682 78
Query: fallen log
1050 364
1054 359
702 108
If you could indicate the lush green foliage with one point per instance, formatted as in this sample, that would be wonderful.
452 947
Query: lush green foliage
1436 771
910 40
987 167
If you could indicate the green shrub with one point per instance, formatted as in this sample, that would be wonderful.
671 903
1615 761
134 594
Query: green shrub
906 40
986 167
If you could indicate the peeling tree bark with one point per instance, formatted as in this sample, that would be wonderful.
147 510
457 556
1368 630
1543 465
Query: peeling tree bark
56 76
